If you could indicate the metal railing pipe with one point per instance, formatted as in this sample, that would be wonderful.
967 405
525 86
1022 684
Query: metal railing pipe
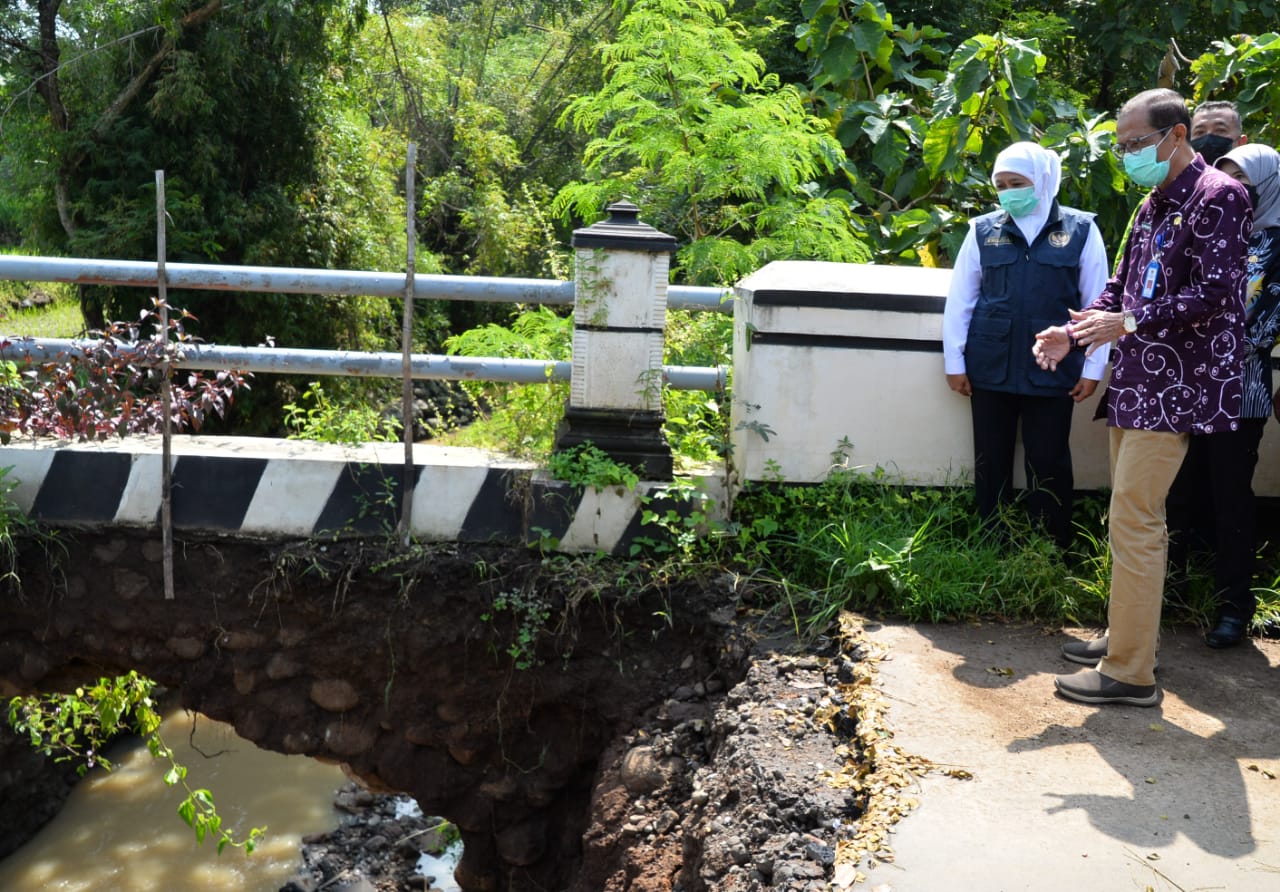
424 366
286 361
700 297
714 379
286 280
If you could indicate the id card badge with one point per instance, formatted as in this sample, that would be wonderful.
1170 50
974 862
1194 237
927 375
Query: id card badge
1149 279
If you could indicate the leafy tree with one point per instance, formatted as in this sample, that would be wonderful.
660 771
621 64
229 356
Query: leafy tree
921 123
769 29
233 102
240 104
1246 69
713 150
1119 45
479 87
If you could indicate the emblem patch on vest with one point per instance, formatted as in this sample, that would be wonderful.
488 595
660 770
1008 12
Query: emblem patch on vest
1059 239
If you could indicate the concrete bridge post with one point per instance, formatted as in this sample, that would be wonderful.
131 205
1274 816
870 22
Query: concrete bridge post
620 309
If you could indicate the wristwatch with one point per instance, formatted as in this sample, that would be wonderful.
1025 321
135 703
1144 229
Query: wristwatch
1130 322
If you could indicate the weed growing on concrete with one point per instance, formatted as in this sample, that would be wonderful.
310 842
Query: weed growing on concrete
681 514
588 465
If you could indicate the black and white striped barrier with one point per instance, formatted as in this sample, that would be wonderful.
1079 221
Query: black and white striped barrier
287 489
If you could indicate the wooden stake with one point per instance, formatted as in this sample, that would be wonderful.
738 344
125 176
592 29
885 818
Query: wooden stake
406 350
166 394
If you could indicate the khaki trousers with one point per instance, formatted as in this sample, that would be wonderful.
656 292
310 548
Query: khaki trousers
1143 467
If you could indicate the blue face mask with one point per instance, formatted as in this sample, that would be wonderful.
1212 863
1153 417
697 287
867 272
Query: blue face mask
1018 202
1143 168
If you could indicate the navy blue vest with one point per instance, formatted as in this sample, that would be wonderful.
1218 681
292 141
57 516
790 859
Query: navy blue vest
1025 288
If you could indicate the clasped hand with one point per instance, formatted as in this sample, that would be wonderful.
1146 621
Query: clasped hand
1091 328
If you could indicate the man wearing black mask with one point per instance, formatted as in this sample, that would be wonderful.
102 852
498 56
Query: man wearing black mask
1196 521
1216 129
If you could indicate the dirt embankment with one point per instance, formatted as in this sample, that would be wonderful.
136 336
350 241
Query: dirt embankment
785 779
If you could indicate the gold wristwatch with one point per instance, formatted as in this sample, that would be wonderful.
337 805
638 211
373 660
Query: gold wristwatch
1130 322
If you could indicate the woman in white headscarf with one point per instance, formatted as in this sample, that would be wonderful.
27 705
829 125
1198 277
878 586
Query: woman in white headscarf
1214 488
1020 269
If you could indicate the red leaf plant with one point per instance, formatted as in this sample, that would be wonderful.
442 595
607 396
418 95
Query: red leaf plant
110 384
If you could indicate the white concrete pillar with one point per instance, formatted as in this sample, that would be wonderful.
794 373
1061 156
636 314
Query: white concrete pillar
620 312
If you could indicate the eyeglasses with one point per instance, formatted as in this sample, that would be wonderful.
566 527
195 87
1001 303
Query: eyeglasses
1137 144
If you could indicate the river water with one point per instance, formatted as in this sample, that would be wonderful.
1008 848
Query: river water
120 831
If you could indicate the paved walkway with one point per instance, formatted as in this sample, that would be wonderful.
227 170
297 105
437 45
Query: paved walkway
1066 797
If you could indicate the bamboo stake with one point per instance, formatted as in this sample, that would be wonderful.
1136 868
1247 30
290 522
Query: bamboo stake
406 349
166 394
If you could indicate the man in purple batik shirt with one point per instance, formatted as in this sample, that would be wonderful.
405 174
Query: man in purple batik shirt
1175 310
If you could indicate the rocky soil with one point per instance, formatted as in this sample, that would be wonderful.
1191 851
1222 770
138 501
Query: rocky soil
785 780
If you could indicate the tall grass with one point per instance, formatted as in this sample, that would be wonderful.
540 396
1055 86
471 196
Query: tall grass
60 319
860 542
57 315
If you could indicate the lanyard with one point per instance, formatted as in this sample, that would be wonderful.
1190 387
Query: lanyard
1151 275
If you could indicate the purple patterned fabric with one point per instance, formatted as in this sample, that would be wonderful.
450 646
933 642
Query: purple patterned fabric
1181 370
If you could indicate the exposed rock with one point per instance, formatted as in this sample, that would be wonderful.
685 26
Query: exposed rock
644 770
186 648
334 695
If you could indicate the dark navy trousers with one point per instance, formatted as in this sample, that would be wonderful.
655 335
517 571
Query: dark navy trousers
1046 432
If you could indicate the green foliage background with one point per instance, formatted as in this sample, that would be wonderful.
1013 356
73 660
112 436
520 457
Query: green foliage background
755 130
751 130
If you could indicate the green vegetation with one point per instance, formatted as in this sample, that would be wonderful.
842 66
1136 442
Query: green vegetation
330 419
527 613
60 319
520 420
77 727
586 465
39 309
712 148
858 542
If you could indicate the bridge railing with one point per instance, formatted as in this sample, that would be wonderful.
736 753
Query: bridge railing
619 295
295 361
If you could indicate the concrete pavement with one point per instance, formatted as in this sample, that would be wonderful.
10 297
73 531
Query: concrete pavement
1066 797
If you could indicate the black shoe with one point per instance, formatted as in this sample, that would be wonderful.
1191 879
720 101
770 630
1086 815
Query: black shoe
1086 653
1091 686
1230 631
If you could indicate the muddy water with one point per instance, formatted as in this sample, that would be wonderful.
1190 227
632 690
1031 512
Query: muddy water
120 832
